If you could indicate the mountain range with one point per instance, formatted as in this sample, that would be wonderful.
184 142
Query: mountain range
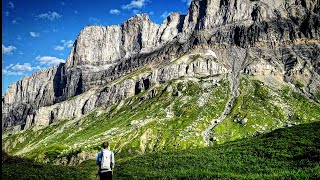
226 70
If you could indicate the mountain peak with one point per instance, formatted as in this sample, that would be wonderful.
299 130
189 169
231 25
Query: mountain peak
250 36
138 18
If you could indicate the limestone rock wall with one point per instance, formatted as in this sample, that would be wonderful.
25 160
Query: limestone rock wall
287 29
111 95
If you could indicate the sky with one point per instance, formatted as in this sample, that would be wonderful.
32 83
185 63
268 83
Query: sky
38 34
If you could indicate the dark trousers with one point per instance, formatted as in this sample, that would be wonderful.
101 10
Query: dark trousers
106 175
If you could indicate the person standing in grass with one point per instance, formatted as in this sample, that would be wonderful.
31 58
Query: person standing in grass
105 161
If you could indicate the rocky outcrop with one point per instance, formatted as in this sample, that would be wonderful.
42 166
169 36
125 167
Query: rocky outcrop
127 87
103 46
27 95
281 38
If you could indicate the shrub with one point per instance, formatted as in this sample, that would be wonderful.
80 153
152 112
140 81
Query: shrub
299 84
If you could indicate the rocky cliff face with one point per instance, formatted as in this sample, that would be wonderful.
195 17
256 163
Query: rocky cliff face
104 46
280 40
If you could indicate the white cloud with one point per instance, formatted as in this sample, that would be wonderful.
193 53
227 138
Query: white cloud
49 60
50 15
59 48
22 67
115 11
68 44
8 49
18 69
9 73
34 34
65 44
187 1
165 15
135 4
8 67
11 5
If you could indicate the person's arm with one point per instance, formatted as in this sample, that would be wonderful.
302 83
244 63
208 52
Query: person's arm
98 159
113 160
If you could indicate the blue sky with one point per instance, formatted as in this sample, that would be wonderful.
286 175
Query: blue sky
38 34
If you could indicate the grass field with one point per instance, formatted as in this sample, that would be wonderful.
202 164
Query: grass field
14 168
288 153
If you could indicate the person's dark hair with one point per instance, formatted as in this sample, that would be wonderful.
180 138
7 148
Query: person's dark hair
105 144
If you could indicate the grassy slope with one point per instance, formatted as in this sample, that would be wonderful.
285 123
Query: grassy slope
166 122
14 168
264 110
169 121
290 153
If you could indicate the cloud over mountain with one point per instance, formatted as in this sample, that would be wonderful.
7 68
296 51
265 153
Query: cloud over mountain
49 60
